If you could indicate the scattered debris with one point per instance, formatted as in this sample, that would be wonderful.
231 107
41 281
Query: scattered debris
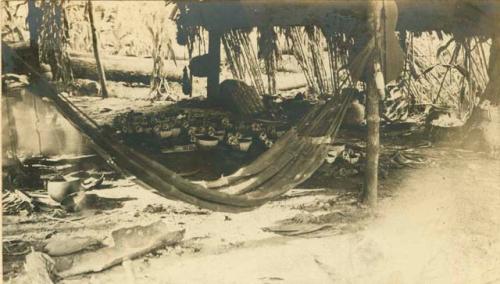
15 247
351 156
129 243
296 229
104 110
159 208
444 118
14 81
310 224
402 159
155 208
44 203
92 183
16 202
297 192
85 87
40 268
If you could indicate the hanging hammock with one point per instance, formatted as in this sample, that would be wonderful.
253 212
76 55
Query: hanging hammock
293 159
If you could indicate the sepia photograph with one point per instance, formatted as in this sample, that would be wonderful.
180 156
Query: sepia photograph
250 141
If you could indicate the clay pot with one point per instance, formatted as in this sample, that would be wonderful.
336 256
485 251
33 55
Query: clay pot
207 142
58 190
46 72
244 144
220 135
355 114
174 132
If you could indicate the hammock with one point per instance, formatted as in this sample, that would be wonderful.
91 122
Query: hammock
292 160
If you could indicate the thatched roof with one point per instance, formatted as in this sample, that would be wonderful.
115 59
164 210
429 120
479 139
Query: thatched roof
467 17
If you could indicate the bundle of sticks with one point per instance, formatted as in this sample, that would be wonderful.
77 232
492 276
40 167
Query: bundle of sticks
242 59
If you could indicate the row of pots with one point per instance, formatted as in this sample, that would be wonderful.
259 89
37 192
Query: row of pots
205 141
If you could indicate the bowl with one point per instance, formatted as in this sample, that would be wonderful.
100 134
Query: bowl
58 190
174 132
220 135
206 142
245 144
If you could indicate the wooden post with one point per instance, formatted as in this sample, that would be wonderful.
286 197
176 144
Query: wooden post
375 91
491 92
213 77
95 43
373 135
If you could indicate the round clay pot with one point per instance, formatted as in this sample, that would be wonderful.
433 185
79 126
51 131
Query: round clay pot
165 133
220 135
207 142
245 144
58 190
46 72
174 132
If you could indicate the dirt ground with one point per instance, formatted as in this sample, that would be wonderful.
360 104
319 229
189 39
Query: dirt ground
436 224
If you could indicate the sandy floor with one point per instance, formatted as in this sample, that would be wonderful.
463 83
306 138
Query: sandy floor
439 226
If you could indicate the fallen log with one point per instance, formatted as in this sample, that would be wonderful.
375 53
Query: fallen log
123 68
118 68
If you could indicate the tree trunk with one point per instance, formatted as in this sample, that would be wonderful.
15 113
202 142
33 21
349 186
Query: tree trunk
34 19
118 68
122 69
213 77
95 44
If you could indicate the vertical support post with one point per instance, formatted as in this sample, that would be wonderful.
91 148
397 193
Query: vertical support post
375 91
213 78
375 88
491 92
95 44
